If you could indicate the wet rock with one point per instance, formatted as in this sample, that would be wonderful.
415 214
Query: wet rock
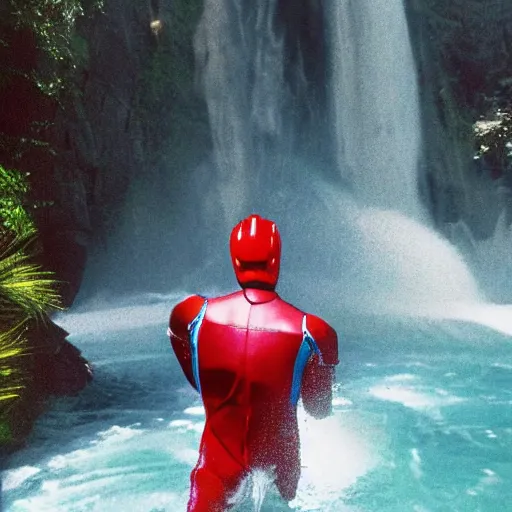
52 367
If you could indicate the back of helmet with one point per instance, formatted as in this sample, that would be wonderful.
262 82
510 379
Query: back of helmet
255 247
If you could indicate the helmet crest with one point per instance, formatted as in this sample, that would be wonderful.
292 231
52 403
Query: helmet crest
255 247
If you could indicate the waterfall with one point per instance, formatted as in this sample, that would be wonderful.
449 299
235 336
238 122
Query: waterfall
375 102
366 246
240 61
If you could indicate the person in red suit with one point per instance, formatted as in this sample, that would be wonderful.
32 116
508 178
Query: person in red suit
251 355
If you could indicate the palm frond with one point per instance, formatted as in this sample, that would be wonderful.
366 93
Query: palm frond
25 289
26 293
12 348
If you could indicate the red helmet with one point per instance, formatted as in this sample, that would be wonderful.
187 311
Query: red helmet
255 247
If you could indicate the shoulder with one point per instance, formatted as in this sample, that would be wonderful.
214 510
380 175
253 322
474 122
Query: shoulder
325 337
186 310
318 327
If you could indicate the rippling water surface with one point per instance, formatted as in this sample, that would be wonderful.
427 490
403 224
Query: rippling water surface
422 422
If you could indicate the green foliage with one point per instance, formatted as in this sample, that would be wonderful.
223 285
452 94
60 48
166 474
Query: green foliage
13 215
53 24
26 291
12 349
52 21
40 56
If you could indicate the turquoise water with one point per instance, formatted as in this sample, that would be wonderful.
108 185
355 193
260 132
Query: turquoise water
422 422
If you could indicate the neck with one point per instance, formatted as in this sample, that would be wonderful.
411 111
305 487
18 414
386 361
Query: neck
258 295
257 285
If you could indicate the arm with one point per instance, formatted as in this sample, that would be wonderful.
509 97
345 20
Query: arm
181 316
319 374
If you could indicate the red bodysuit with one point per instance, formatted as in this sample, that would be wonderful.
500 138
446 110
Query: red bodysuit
251 356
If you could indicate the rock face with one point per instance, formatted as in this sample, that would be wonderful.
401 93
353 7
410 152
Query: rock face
464 55
59 366
99 140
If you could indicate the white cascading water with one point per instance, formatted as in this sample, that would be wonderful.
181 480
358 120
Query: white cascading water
376 107
408 267
378 131
240 62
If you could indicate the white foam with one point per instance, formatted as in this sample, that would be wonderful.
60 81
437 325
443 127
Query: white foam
195 411
413 399
15 477
413 263
415 464
50 486
495 316
187 455
117 434
341 401
63 461
261 483
401 377
335 453
180 423
114 436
